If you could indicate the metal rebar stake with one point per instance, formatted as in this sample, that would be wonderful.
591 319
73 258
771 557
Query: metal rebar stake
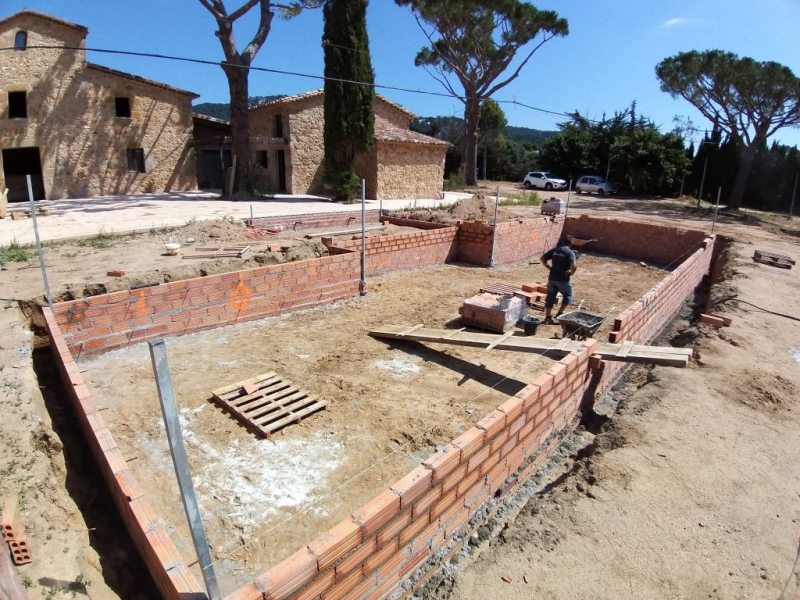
716 209
158 355
362 286
494 228
39 245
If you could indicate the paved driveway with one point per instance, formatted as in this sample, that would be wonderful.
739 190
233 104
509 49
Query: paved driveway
116 214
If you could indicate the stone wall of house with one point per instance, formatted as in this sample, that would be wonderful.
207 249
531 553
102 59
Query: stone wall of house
386 114
410 170
72 119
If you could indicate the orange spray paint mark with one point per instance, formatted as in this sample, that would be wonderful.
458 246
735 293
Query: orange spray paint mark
141 307
240 296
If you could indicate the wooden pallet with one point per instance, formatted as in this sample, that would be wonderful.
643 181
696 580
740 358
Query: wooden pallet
773 260
266 403
219 252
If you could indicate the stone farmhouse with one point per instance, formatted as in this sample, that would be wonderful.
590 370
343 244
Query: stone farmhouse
288 142
81 129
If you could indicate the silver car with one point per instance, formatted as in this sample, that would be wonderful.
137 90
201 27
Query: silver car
543 180
596 184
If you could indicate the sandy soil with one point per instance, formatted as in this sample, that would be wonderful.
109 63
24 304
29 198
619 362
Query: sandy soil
690 490
390 405
712 445
78 268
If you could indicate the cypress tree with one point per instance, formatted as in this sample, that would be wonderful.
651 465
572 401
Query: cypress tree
349 107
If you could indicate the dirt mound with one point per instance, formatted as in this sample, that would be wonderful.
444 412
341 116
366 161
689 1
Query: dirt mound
476 208
220 231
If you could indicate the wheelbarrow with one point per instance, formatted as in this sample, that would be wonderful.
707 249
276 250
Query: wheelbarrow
580 325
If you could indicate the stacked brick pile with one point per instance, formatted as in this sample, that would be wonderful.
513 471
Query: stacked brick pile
14 534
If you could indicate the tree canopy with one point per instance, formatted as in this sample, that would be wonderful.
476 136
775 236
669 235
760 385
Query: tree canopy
349 107
473 46
748 100
237 69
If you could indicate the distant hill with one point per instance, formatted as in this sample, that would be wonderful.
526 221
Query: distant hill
222 110
450 128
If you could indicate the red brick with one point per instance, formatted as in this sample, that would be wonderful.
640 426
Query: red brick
443 462
413 485
512 408
423 505
492 423
380 557
356 558
394 528
377 512
335 543
470 441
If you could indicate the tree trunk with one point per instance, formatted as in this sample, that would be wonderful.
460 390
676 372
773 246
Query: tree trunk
745 165
472 113
240 127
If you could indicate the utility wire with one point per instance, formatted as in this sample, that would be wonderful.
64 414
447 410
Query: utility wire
201 61
445 418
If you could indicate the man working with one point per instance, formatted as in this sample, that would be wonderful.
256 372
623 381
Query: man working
564 265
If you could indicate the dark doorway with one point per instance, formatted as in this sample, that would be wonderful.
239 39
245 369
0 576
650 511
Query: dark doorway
210 168
17 163
281 171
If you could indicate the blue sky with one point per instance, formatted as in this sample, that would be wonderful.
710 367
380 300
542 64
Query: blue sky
606 62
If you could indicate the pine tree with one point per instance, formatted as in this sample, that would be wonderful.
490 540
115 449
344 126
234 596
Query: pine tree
349 107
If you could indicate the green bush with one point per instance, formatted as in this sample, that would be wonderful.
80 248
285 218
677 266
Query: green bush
15 253
523 199
456 182
345 185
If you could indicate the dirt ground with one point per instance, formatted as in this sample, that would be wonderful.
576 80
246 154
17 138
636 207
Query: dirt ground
389 405
679 495
691 489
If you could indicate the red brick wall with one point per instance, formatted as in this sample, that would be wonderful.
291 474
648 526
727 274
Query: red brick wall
149 535
387 541
111 321
642 241
516 240
350 219
642 321
401 251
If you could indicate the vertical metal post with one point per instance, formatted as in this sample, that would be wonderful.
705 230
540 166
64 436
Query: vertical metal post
494 228
608 169
39 245
794 194
702 183
380 210
169 409
683 179
362 286
251 216
569 195
716 208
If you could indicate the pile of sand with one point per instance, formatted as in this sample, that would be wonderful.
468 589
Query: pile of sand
476 208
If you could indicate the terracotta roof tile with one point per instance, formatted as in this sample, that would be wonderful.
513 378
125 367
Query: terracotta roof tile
406 136
319 92
140 79
47 17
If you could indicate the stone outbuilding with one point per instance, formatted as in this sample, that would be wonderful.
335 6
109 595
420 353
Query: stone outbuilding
81 129
290 153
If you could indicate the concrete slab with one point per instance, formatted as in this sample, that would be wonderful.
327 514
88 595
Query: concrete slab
83 217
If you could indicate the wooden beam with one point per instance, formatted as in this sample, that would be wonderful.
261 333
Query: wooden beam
657 355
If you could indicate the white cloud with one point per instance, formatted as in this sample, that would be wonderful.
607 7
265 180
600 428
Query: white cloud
673 22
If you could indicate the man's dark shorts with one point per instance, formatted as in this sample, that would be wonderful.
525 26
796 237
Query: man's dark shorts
553 288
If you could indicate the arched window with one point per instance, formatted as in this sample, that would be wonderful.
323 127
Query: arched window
21 40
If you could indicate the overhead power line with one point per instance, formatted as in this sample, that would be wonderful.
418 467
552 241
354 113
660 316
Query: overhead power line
201 61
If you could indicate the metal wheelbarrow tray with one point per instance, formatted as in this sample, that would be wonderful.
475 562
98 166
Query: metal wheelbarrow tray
580 325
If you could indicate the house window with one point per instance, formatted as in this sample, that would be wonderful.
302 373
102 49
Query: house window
278 126
262 158
136 160
21 40
17 105
123 107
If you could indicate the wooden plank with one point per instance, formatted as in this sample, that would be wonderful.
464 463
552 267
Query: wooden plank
666 356
270 404
298 415
500 339
564 343
625 349
454 333
412 329
237 386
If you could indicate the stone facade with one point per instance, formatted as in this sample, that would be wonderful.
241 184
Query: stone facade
72 129
403 164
